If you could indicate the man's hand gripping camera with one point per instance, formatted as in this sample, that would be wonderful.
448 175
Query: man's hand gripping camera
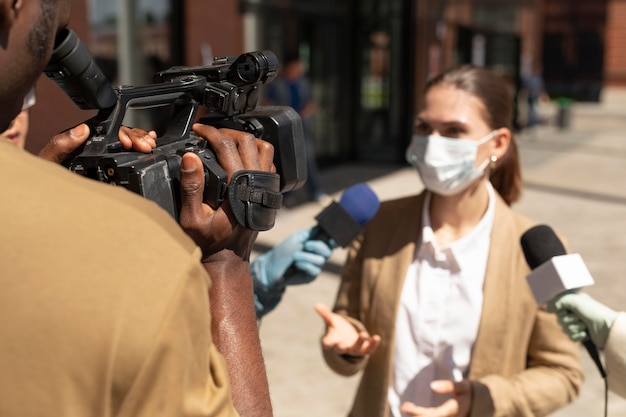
229 89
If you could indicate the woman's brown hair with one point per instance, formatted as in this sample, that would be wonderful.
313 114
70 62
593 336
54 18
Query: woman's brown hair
495 95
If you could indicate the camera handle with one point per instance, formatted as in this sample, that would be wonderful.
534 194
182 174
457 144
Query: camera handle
185 93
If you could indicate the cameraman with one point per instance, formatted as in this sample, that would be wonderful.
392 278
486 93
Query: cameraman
105 303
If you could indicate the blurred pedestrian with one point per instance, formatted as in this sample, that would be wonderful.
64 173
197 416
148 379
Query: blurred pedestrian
534 88
293 88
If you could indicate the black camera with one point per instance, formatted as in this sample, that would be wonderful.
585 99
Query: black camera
229 90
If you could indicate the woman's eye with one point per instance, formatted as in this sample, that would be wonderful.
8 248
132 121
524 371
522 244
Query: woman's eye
454 133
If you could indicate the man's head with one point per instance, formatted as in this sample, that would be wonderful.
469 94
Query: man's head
294 67
27 32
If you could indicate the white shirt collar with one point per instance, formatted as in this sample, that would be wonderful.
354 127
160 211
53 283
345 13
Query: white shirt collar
456 254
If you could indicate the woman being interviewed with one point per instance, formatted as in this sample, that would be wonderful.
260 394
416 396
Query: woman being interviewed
433 306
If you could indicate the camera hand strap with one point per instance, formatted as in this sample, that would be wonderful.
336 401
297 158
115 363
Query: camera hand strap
254 197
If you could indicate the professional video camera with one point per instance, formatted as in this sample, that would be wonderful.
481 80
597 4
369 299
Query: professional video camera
229 90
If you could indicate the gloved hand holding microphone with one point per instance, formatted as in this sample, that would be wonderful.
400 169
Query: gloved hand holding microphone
580 315
298 251
555 280
299 258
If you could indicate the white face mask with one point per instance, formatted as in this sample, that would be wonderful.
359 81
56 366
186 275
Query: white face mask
446 165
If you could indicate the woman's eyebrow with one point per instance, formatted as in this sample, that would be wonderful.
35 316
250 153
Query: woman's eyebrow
444 124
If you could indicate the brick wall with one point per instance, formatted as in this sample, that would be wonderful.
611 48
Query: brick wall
217 23
615 52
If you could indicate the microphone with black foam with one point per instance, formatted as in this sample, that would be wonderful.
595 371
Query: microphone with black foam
555 272
338 224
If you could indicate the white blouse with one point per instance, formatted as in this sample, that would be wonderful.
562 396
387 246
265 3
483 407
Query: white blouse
439 312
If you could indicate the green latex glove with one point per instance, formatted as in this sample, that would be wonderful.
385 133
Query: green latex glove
580 314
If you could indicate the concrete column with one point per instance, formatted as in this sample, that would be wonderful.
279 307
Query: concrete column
130 56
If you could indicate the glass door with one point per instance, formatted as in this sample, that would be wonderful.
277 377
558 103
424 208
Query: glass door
385 80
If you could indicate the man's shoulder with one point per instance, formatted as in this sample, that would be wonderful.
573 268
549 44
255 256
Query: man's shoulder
67 198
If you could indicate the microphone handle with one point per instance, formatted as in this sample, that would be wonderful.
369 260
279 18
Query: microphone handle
291 271
593 352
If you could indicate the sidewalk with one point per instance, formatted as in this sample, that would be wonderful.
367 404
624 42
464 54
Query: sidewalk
574 181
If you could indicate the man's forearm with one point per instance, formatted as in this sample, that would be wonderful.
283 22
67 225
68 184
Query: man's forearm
235 334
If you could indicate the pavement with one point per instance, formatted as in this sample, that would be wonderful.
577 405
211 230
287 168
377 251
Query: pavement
574 181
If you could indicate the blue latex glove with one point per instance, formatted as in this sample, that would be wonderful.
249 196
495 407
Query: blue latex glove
268 269
580 314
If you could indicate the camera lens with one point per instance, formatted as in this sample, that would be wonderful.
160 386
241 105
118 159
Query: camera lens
74 70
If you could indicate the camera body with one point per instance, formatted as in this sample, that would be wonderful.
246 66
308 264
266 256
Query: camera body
229 90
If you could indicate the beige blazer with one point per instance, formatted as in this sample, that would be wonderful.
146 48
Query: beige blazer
522 363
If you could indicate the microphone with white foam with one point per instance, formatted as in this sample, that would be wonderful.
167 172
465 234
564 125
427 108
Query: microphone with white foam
555 272
338 224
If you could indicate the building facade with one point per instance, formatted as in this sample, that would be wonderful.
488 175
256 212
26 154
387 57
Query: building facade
368 60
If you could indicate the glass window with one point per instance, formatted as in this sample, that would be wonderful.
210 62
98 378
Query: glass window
154 35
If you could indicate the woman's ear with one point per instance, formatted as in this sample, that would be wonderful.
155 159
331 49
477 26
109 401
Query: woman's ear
501 142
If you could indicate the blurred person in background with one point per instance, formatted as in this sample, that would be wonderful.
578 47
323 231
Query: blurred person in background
293 88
